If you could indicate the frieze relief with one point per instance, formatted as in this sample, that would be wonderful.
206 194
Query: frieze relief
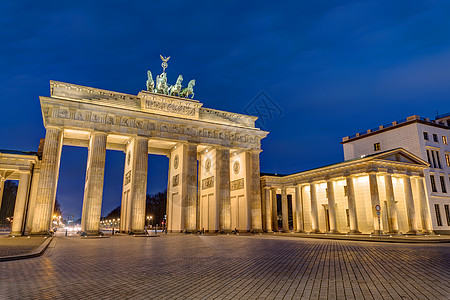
128 177
176 180
208 183
167 105
237 184
81 115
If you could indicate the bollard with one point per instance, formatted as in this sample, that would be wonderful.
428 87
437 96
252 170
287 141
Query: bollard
66 232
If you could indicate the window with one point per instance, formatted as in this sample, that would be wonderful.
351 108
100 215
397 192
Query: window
433 183
425 135
435 138
434 159
429 160
438 159
443 187
447 160
376 147
345 191
444 139
447 214
438 215
348 217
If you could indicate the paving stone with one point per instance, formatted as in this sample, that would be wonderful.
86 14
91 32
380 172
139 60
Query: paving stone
228 267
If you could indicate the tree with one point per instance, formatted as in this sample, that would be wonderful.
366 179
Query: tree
57 209
114 214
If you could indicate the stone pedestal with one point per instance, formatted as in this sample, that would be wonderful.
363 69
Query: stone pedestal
93 190
298 210
223 188
139 185
424 207
331 207
391 205
268 200
273 195
284 210
374 201
352 206
21 203
409 203
314 211
48 181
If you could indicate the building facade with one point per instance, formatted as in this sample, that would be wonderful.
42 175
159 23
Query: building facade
425 138
213 178
345 197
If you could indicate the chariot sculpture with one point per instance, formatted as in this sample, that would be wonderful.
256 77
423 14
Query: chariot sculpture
161 86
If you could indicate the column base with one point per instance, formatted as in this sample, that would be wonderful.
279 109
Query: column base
300 231
413 232
315 231
15 233
427 232
92 233
269 231
333 232
256 231
376 232
40 233
139 232
354 232
395 232
286 231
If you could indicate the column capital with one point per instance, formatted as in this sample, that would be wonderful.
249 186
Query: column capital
98 133
53 127
267 188
274 188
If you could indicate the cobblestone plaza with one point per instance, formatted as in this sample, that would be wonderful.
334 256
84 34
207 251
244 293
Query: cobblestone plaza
228 267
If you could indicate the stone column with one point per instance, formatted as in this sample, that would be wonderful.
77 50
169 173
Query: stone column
21 203
48 181
139 185
352 205
391 204
189 188
298 209
331 206
255 192
268 200
93 189
284 209
32 197
2 187
223 188
273 194
424 207
314 211
375 200
410 209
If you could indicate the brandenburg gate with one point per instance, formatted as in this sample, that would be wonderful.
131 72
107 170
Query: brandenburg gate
213 180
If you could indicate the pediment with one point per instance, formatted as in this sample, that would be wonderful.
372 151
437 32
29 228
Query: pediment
400 155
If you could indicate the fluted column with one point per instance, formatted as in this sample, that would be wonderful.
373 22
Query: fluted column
32 197
2 187
352 205
298 209
375 200
48 181
21 202
314 211
284 209
255 192
223 188
424 207
189 188
391 204
268 200
93 189
273 194
139 185
331 206
410 209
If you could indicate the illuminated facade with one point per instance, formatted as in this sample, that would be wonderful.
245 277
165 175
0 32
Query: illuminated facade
425 138
213 180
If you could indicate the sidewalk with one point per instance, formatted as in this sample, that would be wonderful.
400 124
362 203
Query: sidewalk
12 248
371 238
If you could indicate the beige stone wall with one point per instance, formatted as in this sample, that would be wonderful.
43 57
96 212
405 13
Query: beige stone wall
240 206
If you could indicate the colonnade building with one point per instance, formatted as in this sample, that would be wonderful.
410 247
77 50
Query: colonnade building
213 178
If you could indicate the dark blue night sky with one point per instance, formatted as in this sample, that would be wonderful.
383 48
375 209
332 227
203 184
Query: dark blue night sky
333 68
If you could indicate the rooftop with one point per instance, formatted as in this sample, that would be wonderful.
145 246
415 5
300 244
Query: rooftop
395 124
